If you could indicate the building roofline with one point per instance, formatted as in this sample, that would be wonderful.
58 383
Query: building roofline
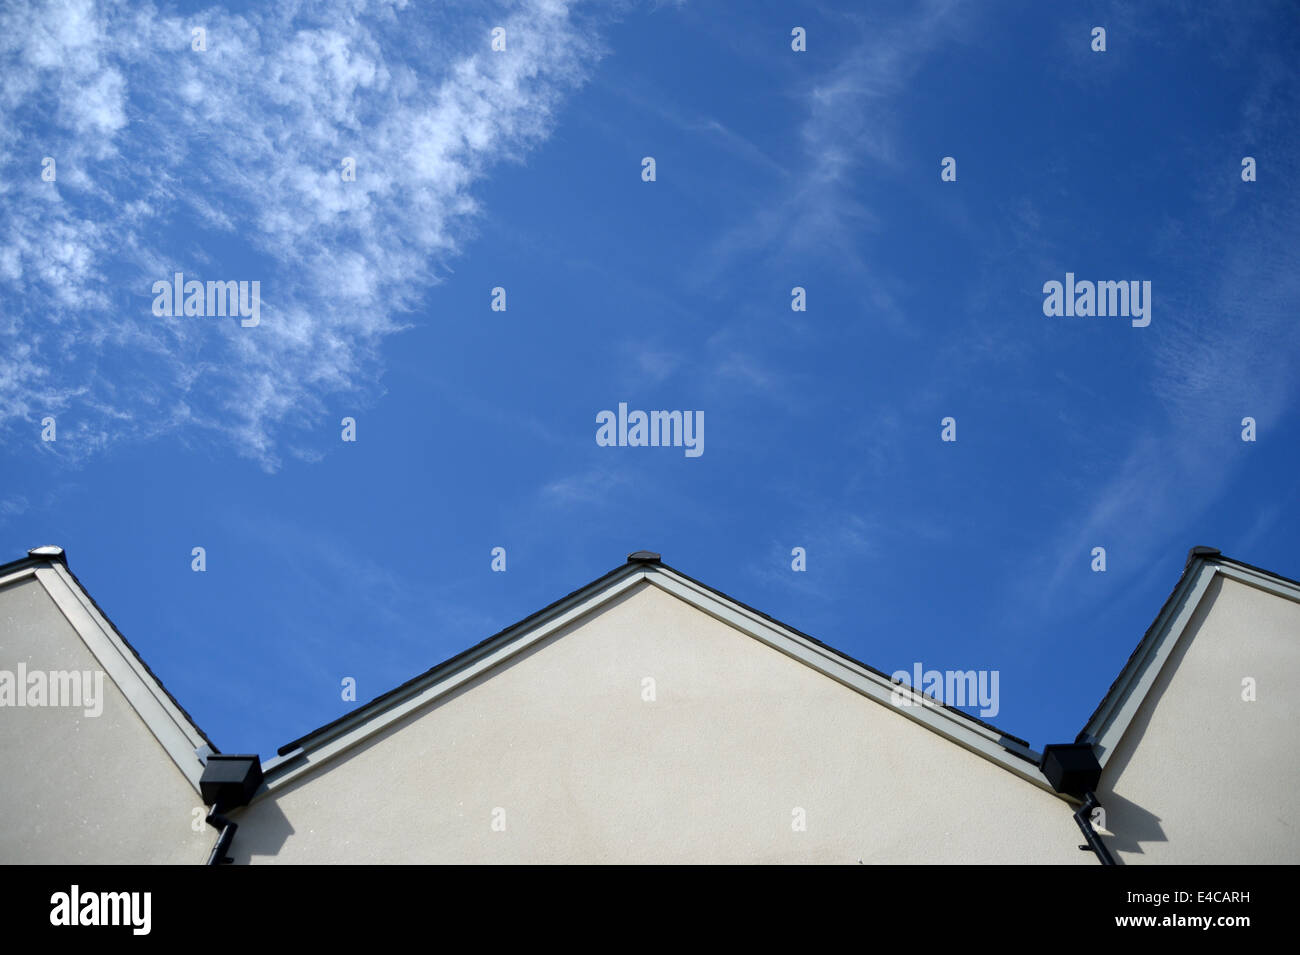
1218 557
302 755
1104 727
840 653
378 703
30 561
1110 720
147 669
56 559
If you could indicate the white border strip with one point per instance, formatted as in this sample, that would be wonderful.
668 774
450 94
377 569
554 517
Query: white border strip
1141 673
1278 588
162 717
350 733
17 575
970 736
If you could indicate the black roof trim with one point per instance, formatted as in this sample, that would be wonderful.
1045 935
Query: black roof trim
450 664
62 558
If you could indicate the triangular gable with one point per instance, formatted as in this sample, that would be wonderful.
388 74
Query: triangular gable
304 755
1110 720
165 718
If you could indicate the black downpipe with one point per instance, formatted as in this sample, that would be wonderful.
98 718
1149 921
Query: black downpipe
227 783
1073 769
1084 818
226 835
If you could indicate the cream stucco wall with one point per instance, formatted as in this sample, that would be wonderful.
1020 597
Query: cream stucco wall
1201 775
585 770
77 788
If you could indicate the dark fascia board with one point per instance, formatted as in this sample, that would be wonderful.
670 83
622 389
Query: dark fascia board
380 703
1197 557
38 560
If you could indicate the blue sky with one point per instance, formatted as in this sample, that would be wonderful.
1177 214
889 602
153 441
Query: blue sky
476 428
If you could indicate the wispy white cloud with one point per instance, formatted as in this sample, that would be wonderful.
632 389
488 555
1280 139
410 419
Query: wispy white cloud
588 488
835 546
225 163
1227 349
651 363
707 127
851 117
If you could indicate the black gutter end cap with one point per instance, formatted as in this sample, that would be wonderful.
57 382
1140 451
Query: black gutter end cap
230 781
1196 552
49 552
1071 768
643 557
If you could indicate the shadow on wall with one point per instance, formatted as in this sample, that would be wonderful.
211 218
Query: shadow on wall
261 833
1129 826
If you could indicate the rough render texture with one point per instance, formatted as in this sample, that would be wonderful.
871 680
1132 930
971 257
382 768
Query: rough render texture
76 788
